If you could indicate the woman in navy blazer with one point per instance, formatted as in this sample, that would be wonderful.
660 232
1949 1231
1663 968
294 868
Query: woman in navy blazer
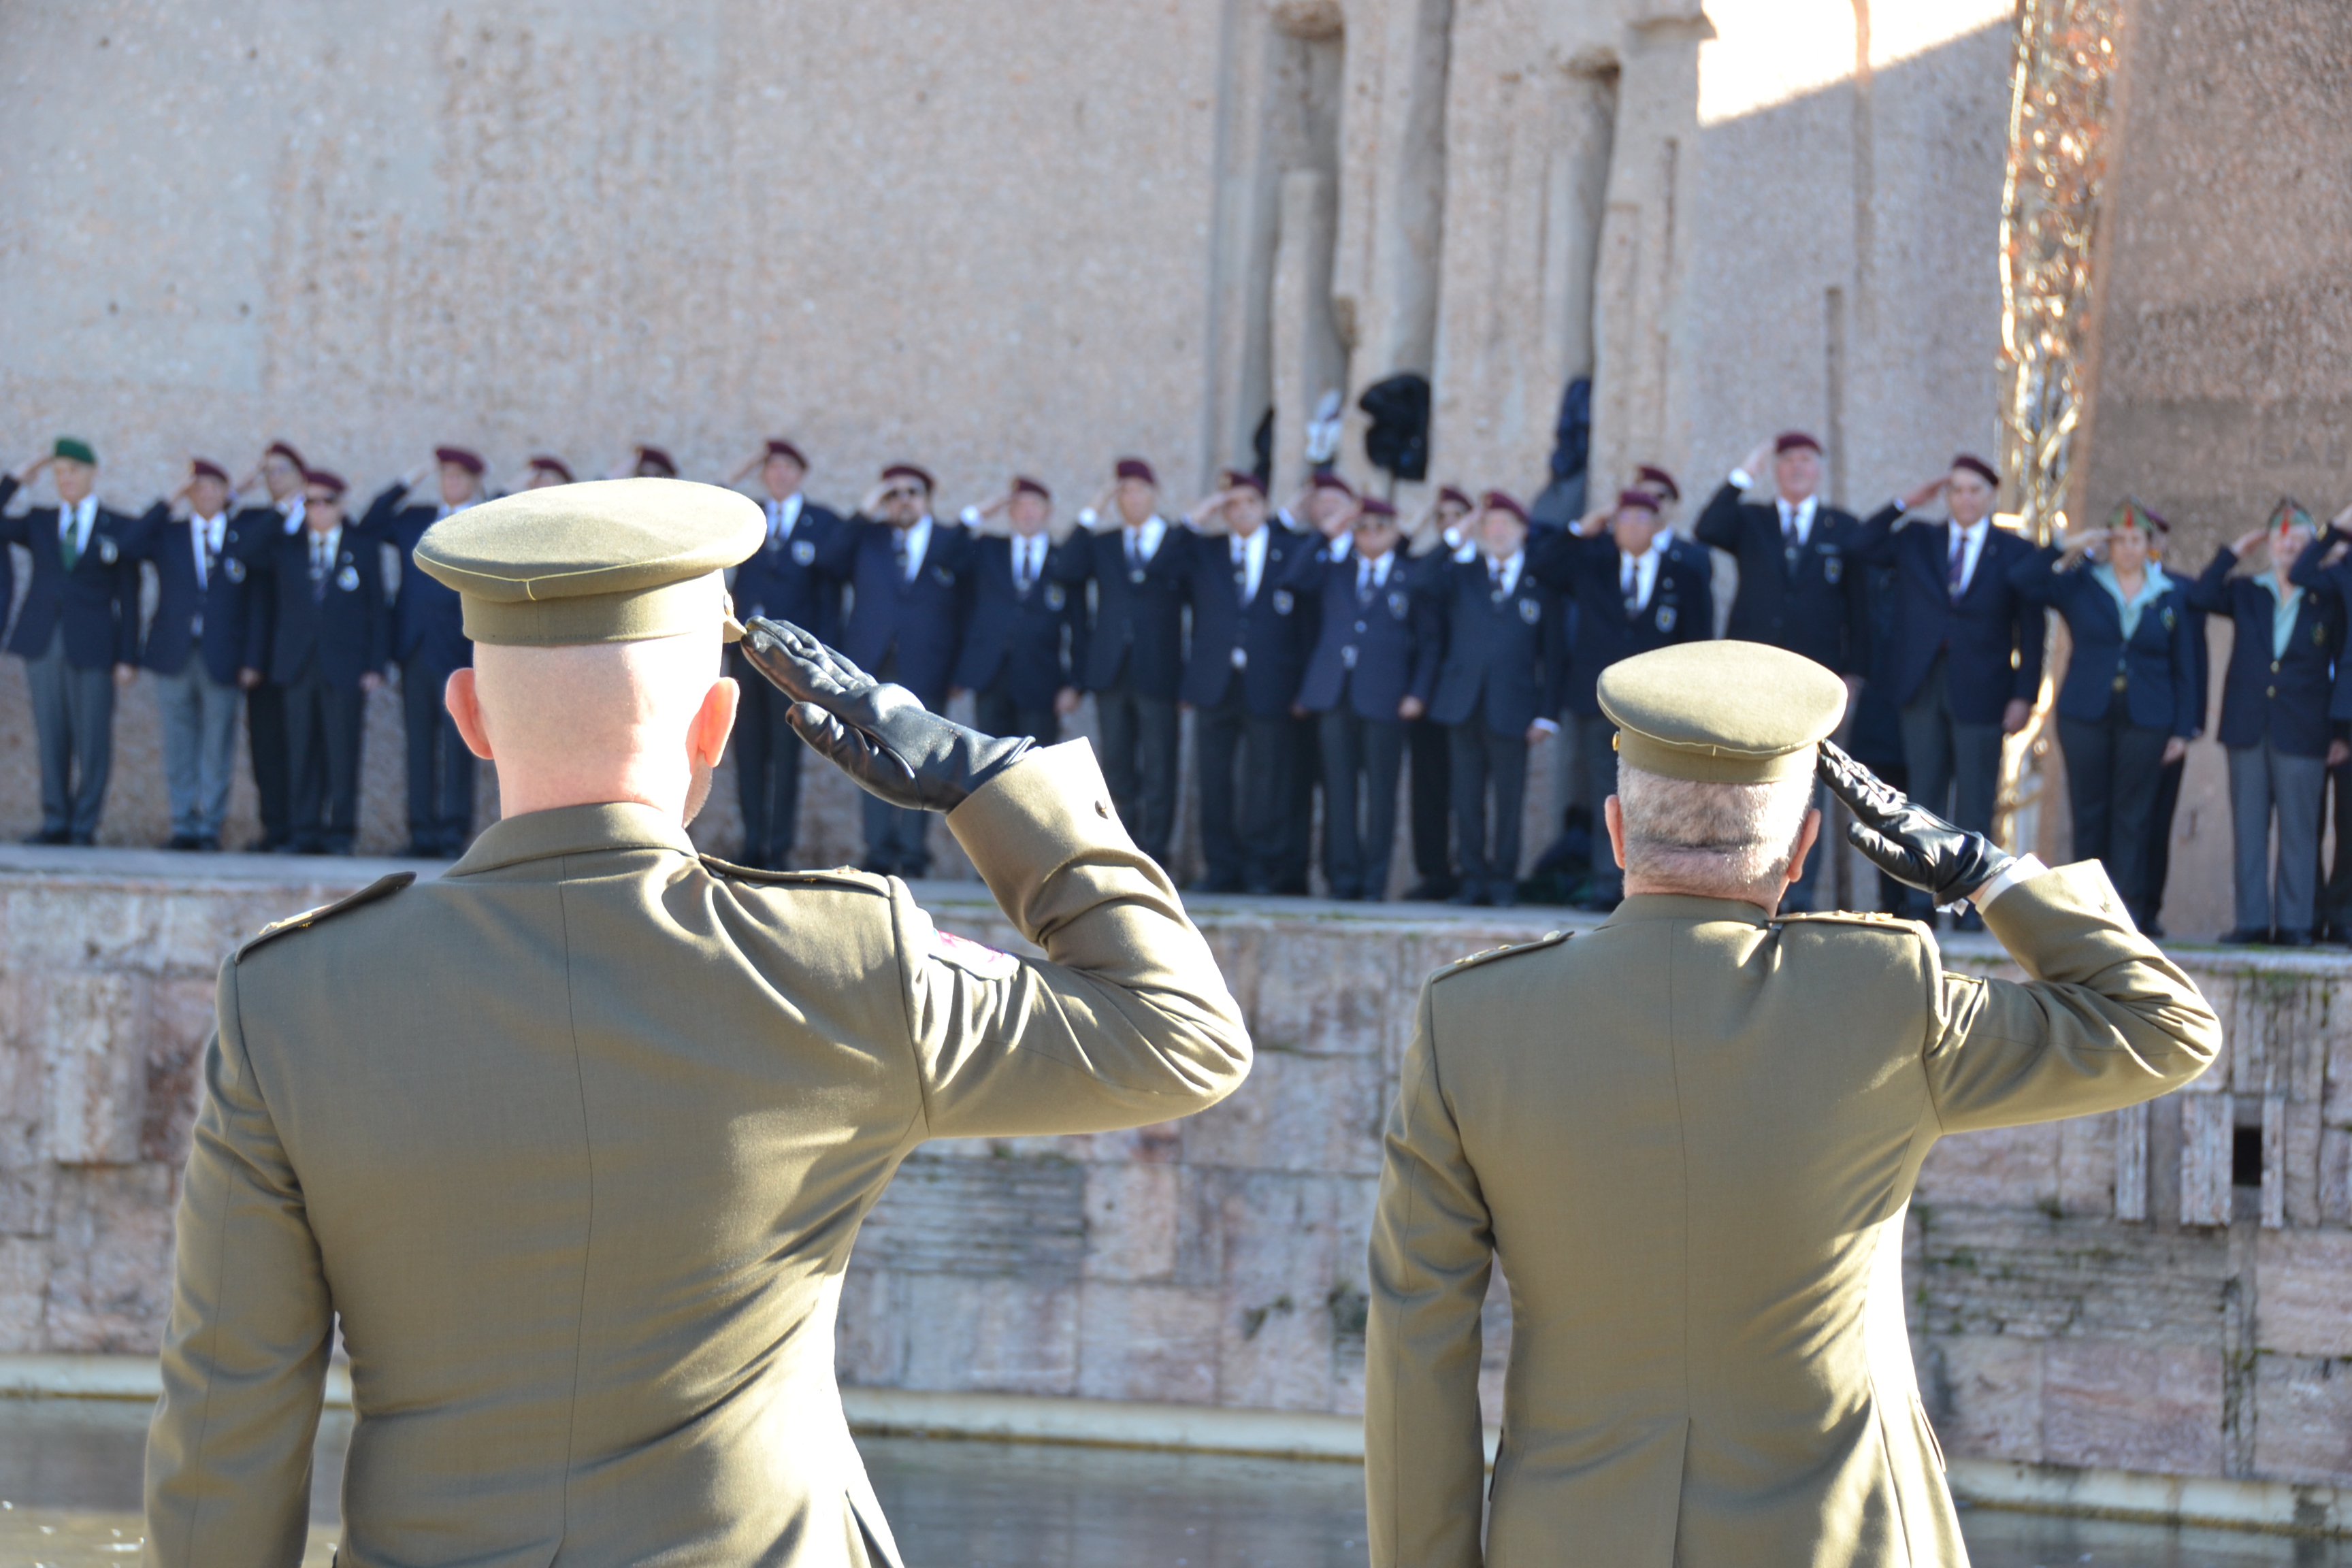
2274 723
2129 701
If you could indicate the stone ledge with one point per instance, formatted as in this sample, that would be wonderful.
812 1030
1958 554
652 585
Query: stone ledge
2267 1506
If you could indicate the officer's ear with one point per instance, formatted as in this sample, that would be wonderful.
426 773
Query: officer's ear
706 738
465 706
1806 835
1613 814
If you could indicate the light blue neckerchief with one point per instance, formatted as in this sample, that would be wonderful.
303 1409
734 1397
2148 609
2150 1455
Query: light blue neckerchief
2153 586
2282 612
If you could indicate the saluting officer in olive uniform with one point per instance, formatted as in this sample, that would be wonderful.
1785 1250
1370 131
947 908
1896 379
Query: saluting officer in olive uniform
1693 1134
582 1203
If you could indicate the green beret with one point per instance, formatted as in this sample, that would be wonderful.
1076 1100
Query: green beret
74 451
1721 712
610 561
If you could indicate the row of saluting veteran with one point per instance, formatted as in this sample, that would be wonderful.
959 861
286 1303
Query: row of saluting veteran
1460 644
583 1207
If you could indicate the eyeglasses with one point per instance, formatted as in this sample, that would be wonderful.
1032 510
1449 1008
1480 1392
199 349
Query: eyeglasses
901 494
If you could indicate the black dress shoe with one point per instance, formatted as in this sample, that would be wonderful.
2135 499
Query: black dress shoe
48 836
1432 891
1471 896
1214 885
2245 936
208 844
180 841
2293 939
1505 896
1258 888
82 840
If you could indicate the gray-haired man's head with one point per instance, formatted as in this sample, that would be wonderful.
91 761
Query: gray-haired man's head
1711 840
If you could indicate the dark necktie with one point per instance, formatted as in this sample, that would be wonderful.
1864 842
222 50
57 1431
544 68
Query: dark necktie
1959 557
1495 580
1241 574
1023 574
318 568
1789 542
1363 583
68 537
898 550
1631 585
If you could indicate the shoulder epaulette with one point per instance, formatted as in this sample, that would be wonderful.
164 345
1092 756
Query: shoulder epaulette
839 877
381 888
1855 917
1549 939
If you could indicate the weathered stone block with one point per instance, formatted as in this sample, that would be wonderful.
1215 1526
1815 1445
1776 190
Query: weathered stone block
2301 1161
870 1327
24 1294
2005 1167
28 1193
1984 1392
1147 1341
998 1335
2132 1406
2303 1421
1296 1113
998 1216
2303 1303
181 1018
2336 1176
1131 1221
1277 1328
1999 1272
94 1050
111 1259
1335 987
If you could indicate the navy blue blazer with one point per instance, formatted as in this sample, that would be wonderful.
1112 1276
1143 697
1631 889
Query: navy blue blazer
1991 639
347 624
920 622
1815 608
2156 671
213 620
1506 654
1023 630
787 581
428 619
1138 631
2287 696
1381 645
1586 572
2333 583
1272 631
97 602
8 489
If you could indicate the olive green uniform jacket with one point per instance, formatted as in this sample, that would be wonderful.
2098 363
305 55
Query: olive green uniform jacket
576 1139
1690 1137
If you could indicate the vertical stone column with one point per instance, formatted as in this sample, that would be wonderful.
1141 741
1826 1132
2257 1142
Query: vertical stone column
1308 358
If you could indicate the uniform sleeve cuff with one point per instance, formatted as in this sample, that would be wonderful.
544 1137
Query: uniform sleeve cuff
968 517
1743 479
2025 868
1088 516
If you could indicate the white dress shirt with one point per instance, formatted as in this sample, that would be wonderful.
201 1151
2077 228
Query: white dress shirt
324 548
1637 576
1028 559
1802 513
1373 574
78 520
291 508
1511 572
919 540
1971 541
1249 560
782 516
204 536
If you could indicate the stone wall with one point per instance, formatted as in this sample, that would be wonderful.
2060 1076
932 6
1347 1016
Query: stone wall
2098 1292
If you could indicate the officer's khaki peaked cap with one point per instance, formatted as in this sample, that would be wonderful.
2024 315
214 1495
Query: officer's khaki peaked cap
609 561
1721 712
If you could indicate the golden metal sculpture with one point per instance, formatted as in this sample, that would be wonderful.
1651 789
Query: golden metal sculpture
2059 118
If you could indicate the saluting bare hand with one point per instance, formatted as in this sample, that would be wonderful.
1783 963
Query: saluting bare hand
2246 542
1916 498
1754 465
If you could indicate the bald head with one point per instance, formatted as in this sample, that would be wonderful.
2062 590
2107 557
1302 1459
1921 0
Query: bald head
596 722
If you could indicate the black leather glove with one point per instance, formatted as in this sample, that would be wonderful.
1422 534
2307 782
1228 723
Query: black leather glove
1909 843
878 734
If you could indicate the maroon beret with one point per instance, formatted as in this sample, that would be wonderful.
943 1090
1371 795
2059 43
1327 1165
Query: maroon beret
285 450
1235 479
470 461
1977 465
654 456
1023 485
1136 469
782 449
909 471
206 469
1637 500
548 465
1373 506
1325 479
327 480
1458 496
1500 501
1663 481
1791 440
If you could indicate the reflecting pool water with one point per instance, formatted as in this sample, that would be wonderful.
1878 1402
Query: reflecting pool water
69 1480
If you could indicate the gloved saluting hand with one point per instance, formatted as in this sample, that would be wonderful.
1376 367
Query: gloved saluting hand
1908 842
878 734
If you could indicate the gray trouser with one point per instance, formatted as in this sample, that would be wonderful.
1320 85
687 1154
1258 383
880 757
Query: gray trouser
1948 758
199 717
73 710
1596 763
2263 780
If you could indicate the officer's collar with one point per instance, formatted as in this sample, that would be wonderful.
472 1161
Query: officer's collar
1682 907
573 830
